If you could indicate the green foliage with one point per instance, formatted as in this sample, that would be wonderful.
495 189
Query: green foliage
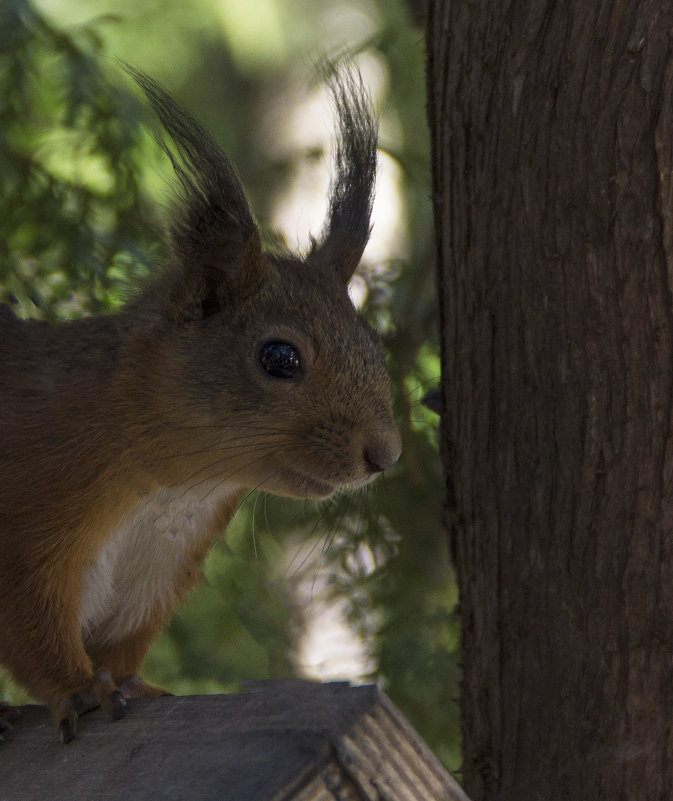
70 204
76 227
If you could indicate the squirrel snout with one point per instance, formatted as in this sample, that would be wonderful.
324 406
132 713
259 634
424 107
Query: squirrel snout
382 448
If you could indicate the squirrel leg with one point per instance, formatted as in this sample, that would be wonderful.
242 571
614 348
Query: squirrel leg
48 658
123 661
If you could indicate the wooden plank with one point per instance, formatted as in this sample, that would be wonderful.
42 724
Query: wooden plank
281 741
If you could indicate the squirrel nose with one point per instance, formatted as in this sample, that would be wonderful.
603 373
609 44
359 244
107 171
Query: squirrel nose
382 449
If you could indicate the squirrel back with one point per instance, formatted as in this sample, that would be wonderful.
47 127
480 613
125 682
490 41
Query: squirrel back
127 439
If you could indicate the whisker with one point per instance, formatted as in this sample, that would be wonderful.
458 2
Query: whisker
254 540
241 469
223 461
364 498
329 540
311 551
432 380
266 517
258 437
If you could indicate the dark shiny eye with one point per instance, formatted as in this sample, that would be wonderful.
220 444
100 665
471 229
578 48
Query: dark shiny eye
280 359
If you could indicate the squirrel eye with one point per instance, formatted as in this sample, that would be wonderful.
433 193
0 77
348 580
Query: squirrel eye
280 359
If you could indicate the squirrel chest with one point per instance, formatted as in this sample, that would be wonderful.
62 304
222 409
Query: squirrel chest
151 555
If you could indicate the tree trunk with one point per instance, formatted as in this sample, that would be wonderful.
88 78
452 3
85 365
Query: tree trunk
552 133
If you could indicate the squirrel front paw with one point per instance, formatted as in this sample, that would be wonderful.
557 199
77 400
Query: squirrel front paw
102 691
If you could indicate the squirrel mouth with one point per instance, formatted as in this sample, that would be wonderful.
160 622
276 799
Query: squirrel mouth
306 486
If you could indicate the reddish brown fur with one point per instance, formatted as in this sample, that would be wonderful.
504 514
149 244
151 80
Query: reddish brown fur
127 439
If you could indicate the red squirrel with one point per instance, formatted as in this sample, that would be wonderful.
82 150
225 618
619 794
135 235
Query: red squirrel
127 439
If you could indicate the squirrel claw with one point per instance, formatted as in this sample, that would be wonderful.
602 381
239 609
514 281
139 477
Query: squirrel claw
109 695
66 731
65 717
115 705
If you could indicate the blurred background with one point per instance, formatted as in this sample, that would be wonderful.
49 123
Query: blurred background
358 588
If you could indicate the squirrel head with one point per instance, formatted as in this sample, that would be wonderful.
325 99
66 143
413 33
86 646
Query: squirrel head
269 377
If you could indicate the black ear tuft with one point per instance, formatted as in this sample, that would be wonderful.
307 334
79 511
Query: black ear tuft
352 193
212 225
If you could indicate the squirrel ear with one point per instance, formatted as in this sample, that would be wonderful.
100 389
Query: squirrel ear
352 193
220 259
204 284
212 280
213 231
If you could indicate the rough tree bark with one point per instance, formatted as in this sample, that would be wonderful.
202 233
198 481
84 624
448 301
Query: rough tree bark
552 132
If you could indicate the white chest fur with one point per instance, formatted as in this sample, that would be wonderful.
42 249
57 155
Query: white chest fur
134 572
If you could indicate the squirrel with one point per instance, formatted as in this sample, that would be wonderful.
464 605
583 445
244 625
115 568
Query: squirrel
128 438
